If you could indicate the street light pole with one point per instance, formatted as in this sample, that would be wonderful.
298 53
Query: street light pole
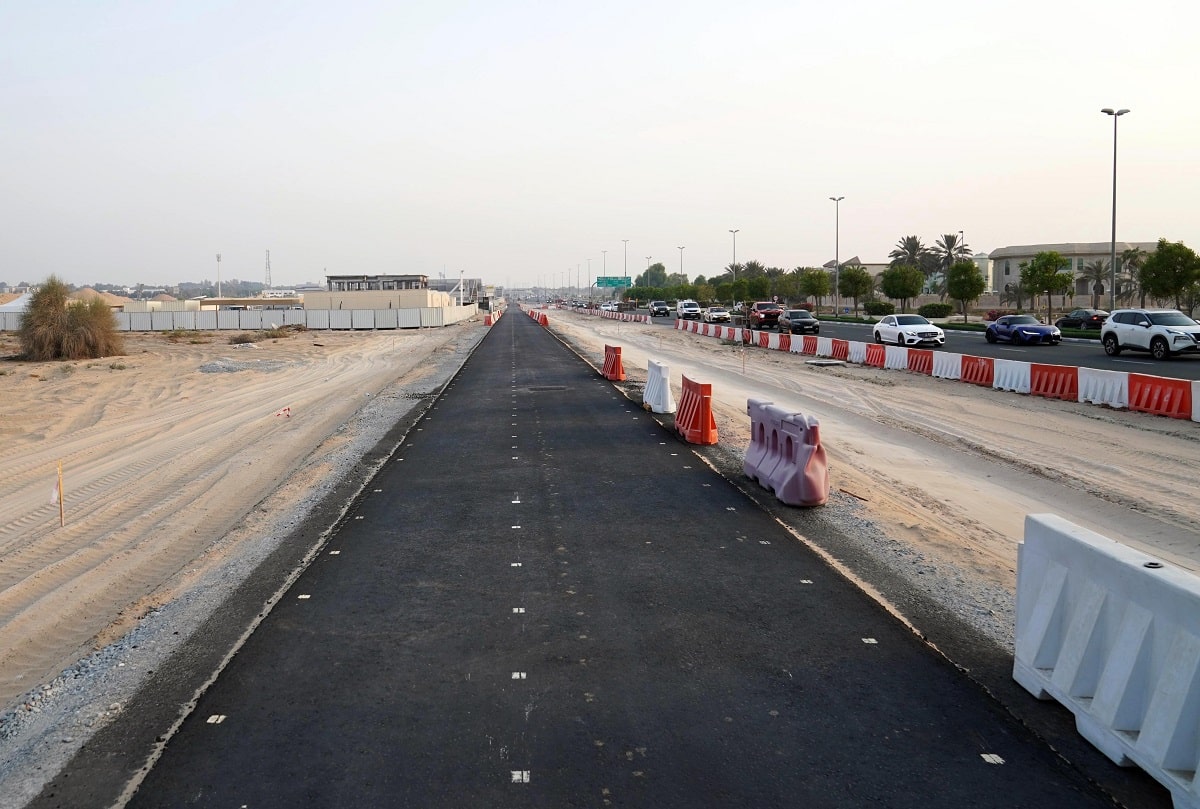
733 266
837 259
218 278
648 261
681 261
603 267
1112 255
626 257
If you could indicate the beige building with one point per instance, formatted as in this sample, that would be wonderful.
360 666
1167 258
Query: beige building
1006 263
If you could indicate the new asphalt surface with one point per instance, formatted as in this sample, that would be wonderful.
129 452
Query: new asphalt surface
544 598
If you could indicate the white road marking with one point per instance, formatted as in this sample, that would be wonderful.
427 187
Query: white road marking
515 564
519 610
302 597
764 542
216 719
991 758
520 776
359 517
869 641
518 675
516 526
334 553
806 581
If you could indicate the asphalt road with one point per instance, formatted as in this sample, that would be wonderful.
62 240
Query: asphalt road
545 599
1072 351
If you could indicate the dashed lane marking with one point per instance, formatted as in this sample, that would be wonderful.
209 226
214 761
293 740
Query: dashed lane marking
216 719
304 596
520 776
519 610
518 675
870 641
335 553
991 758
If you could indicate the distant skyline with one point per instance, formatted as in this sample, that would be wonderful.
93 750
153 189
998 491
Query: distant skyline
513 141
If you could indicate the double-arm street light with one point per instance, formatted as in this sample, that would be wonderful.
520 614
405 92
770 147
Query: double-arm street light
837 263
733 266
1112 256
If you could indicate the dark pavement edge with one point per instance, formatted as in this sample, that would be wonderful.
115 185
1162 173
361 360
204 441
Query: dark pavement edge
118 755
983 661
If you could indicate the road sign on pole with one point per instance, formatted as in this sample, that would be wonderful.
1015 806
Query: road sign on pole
613 281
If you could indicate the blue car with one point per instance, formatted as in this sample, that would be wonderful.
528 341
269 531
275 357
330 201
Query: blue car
1022 330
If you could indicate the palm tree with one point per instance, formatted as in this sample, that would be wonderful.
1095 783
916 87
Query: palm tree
1132 260
908 252
948 250
1098 273
1014 293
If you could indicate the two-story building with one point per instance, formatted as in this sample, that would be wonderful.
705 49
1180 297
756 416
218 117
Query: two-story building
1006 263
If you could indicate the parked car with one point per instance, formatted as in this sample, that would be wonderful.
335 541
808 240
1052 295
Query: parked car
1162 332
688 310
908 330
608 306
1082 319
799 321
659 309
1022 329
764 315
716 314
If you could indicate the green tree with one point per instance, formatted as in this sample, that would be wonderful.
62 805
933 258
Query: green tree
1099 273
1171 271
965 283
706 293
908 252
902 282
740 290
753 269
724 292
654 276
54 327
1046 274
1132 260
759 287
815 283
855 283
1014 294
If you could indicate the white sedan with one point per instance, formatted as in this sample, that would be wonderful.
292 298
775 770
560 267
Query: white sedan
908 330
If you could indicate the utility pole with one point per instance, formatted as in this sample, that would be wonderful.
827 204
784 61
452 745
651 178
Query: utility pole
268 269
218 276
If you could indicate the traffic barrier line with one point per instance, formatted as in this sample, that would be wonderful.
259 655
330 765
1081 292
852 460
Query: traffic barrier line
839 349
785 342
657 395
1054 381
977 370
1010 375
896 358
1109 388
614 370
1160 396
876 355
694 419
786 455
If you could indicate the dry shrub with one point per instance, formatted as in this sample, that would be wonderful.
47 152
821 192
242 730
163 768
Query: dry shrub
55 327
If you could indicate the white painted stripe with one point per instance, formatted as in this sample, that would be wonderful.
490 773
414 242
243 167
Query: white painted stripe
520 776
334 553
515 564
302 597
516 526
806 581
216 719
518 675
519 610
869 640
764 542
359 517
991 758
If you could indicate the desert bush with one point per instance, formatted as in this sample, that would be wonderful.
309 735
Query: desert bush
936 310
244 338
55 327
879 308
174 335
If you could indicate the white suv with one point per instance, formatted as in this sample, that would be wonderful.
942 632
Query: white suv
688 310
1162 332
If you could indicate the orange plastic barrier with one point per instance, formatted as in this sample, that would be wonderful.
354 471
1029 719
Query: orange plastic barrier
1054 381
613 368
763 339
841 350
785 342
694 419
978 370
810 345
920 361
544 320
1160 396
487 320
876 355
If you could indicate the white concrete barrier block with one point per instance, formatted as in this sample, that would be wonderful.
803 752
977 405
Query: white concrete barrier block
1011 375
825 347
1114 635
1104 387
858 352
658 388
896 358
947 365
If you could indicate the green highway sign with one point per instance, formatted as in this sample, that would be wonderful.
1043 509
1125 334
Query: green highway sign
613 281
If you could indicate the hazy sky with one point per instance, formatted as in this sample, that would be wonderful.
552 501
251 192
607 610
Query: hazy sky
515 140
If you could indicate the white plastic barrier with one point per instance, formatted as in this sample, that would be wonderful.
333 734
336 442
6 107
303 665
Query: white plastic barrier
773 341
1114 635
947 366
1104 387
825 347
1196 401
896 358
658 388
858 352
1010 375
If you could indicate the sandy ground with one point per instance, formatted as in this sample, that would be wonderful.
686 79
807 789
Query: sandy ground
949 468
164 451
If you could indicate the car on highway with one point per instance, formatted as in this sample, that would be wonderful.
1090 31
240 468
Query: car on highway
659 309
608 306
688 310
717 314
908 330
1162 332
1082 319
764 315
1022 330
799 321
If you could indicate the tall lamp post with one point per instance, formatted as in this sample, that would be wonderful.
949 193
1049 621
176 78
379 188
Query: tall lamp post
681 261
1112 255
218 278
648 261
603 266
626 257
837 259
733 266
